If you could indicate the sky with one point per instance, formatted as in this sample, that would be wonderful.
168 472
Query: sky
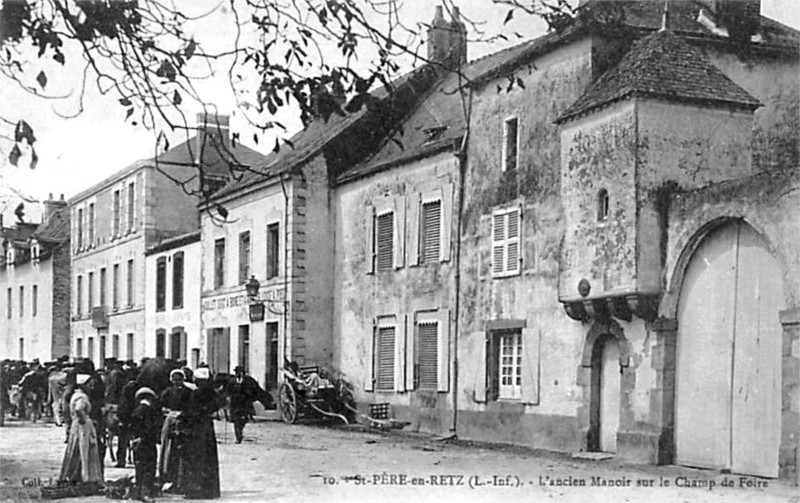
74 153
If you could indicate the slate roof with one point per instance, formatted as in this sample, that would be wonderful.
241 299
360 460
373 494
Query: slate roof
216 160
55 229
664 66
443 109
309 142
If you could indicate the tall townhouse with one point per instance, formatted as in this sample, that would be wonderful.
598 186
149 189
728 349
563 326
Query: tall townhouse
624 243
34 318
396 256
172 299
279 233
118 220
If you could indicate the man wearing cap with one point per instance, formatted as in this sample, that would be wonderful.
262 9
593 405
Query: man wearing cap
144 426
242 391
174 401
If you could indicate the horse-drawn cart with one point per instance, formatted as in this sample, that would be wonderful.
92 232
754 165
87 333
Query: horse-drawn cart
307 392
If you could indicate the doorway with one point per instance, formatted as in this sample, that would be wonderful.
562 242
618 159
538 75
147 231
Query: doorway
728 360
605 395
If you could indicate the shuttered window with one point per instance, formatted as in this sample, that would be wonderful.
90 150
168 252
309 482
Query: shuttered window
427 356
506 255
384 241
219 263
385 357
273 250
431 232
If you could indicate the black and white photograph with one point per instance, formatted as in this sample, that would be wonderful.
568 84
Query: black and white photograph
400 250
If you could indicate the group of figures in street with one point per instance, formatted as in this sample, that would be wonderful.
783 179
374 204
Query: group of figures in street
160 402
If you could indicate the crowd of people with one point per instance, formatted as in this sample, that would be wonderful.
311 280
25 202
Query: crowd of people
142 406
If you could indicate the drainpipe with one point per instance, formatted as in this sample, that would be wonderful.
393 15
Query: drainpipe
286 302
462 170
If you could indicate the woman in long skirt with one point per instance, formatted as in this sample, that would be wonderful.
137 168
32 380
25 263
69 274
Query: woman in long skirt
82 461
199 471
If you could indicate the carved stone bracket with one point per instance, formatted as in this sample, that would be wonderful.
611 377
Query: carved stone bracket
622 307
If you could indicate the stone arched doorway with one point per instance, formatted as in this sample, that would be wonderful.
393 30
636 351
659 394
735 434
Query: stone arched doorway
728 354
605 356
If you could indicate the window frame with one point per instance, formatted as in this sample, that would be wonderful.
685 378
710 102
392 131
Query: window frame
34 300
219 263
385 322
506 242
245 256
603 205
422 232
426 318
178 279
115 286
130 286
102 292
273 250
507 144
79 296
390 213
90 291
161 284
21 301
131 210
91 217
116 221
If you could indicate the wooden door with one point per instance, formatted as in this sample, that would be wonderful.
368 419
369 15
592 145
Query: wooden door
727 401
609 396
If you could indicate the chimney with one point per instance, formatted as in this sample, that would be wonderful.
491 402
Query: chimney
447 41
742 18
51 206
213 134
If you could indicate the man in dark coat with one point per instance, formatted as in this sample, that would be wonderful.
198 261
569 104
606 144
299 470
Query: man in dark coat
242 390
145 422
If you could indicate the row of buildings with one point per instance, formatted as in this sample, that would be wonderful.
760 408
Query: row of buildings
589 241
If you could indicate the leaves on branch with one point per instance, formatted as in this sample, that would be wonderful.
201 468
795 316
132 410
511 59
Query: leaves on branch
23 131
125 102
167 71
176 98
509 16
222 211
34 158
15 154
42 79
59 57
128 113
190 48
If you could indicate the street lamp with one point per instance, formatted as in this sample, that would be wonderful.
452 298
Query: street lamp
257 305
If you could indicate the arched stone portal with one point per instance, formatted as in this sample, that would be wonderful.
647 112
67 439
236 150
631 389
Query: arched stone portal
727 411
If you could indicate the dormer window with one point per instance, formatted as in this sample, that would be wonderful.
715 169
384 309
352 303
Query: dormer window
602 205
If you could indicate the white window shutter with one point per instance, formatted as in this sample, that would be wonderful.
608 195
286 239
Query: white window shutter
413 228
498 242
369 245
399 231
443 352
369 381
447 221
400 354
530 365
477 368
410 356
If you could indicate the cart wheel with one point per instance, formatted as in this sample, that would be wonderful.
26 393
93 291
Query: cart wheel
288 403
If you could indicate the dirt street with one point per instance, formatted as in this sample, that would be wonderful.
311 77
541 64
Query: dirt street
279 462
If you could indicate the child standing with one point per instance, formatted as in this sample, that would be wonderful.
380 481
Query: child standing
145 428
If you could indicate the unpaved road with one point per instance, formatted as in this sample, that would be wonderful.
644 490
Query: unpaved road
298 463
